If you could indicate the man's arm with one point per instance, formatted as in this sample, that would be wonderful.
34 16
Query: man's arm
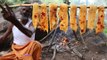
9 15
22 28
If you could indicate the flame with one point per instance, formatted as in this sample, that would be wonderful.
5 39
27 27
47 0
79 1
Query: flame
64 41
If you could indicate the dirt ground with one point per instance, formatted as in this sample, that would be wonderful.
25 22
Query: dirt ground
87 55
96 49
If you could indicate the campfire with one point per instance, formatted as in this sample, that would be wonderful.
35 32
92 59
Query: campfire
64 41
62 45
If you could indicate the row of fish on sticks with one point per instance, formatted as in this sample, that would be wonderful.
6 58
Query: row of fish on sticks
40 17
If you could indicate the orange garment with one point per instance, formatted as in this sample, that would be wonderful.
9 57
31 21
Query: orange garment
30 51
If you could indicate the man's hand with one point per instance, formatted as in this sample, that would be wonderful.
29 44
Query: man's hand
8 13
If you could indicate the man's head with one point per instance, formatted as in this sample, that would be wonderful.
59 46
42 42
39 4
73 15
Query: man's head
26 11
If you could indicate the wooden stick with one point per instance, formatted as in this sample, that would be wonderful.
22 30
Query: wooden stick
46 46
52 40
17 5
75 35
77 53
44 39
83 41
54 54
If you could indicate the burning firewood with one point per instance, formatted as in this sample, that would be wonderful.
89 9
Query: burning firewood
43 23
63 16
100 22
64 41
52 16
91 17
82 19
73 22
35 15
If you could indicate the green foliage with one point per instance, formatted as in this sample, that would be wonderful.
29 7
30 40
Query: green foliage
5 1
105 31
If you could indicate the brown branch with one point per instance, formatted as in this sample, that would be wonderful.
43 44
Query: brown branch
44 39
75 35
54 54
77 53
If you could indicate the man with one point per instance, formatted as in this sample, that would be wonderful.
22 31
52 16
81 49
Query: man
25 16
23 47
